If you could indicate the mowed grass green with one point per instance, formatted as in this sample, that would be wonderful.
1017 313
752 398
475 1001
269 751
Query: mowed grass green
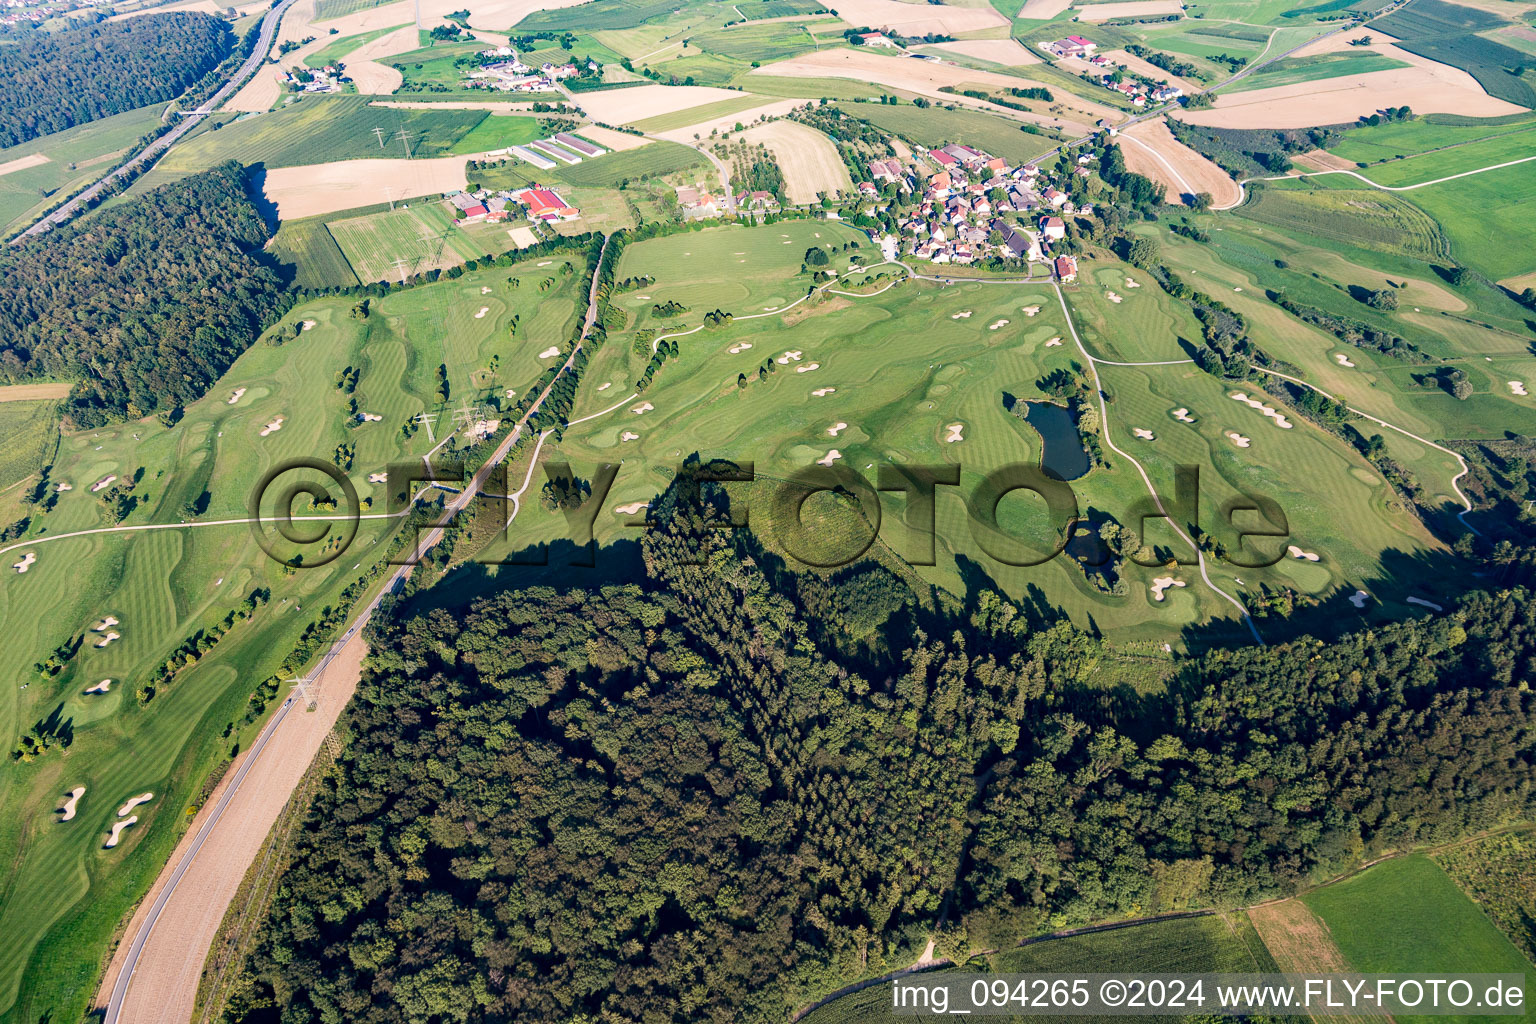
66 893
1406 916
919 356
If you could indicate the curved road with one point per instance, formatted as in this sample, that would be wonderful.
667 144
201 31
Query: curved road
172 958
189 120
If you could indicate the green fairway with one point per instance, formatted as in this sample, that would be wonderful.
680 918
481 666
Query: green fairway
66 892
1406 916
74 157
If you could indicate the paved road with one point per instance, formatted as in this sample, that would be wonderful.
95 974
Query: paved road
190 120
360 621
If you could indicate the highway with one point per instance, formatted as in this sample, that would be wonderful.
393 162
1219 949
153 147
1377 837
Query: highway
189 120
393 584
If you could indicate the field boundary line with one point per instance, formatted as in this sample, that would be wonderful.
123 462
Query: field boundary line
1242 192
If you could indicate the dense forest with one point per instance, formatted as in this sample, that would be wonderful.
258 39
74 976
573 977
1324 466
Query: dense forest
147 303
56 80
720 791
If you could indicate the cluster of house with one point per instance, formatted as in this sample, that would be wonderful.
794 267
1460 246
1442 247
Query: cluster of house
18 11
512 75
1137 88
560 148
956 211
331 78
698 203
536 203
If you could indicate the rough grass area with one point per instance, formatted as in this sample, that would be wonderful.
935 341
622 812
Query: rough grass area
1499 875
308 247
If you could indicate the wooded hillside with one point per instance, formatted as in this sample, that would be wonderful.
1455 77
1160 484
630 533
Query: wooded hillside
56 80
147 303
713 796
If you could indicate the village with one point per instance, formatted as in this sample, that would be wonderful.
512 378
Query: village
504 72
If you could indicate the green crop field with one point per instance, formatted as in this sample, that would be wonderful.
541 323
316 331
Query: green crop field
1498 873
67 893
809 88
343 45
765 43
1292 70
694 115
27 436
1406 916
328 10
75 157
432 68
600 14
1458 159
758 9
935 126
1447 32
705 68
423 234
319 129
1371 145
498 132
1188 945
308 247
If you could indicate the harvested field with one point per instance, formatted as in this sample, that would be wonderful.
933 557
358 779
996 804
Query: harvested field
1152 71
1149 148
1043 10
347 184
808 158
1128 9
614 142
727 122
623 106
1298 939
33 392
492 106
22 163
1322 160
1007 52
372 77
1436 88
916 19
928 78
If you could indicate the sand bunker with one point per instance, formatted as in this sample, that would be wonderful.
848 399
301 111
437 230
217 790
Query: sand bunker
605 385
107 622
1518 388
117 830
1031 310
837 428
1053 342
1358 598
631 508
1427 604
103 483
823 392
1161 584
26 562
740 346
101 687
369 417
378 478
829 458
70 804
485 290
1113 297
1343 359
1144 434
1183 416
629 435
273 426
550 352
142 798
1267 410
994 325
104 641
239 394
309 325
481 314
1132 283
65 487
808 367
643 407
956 432
961 315
788 357
1239 439
1296 552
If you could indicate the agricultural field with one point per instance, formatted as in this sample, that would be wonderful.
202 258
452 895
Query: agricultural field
749 42
598 15
319 129
432 68
338 48
30 433
1498 873
1407 916
696 115
498 132
35 173
1375 144
309 248
935 126
1468 156
330 10
422 234
1448 33
162 586
758 9
1294 70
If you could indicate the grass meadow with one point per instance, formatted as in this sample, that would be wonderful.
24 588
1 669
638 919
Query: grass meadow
935 126
1371 145
67 893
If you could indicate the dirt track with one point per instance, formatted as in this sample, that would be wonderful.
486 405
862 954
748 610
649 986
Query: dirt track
1149 148
166 979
